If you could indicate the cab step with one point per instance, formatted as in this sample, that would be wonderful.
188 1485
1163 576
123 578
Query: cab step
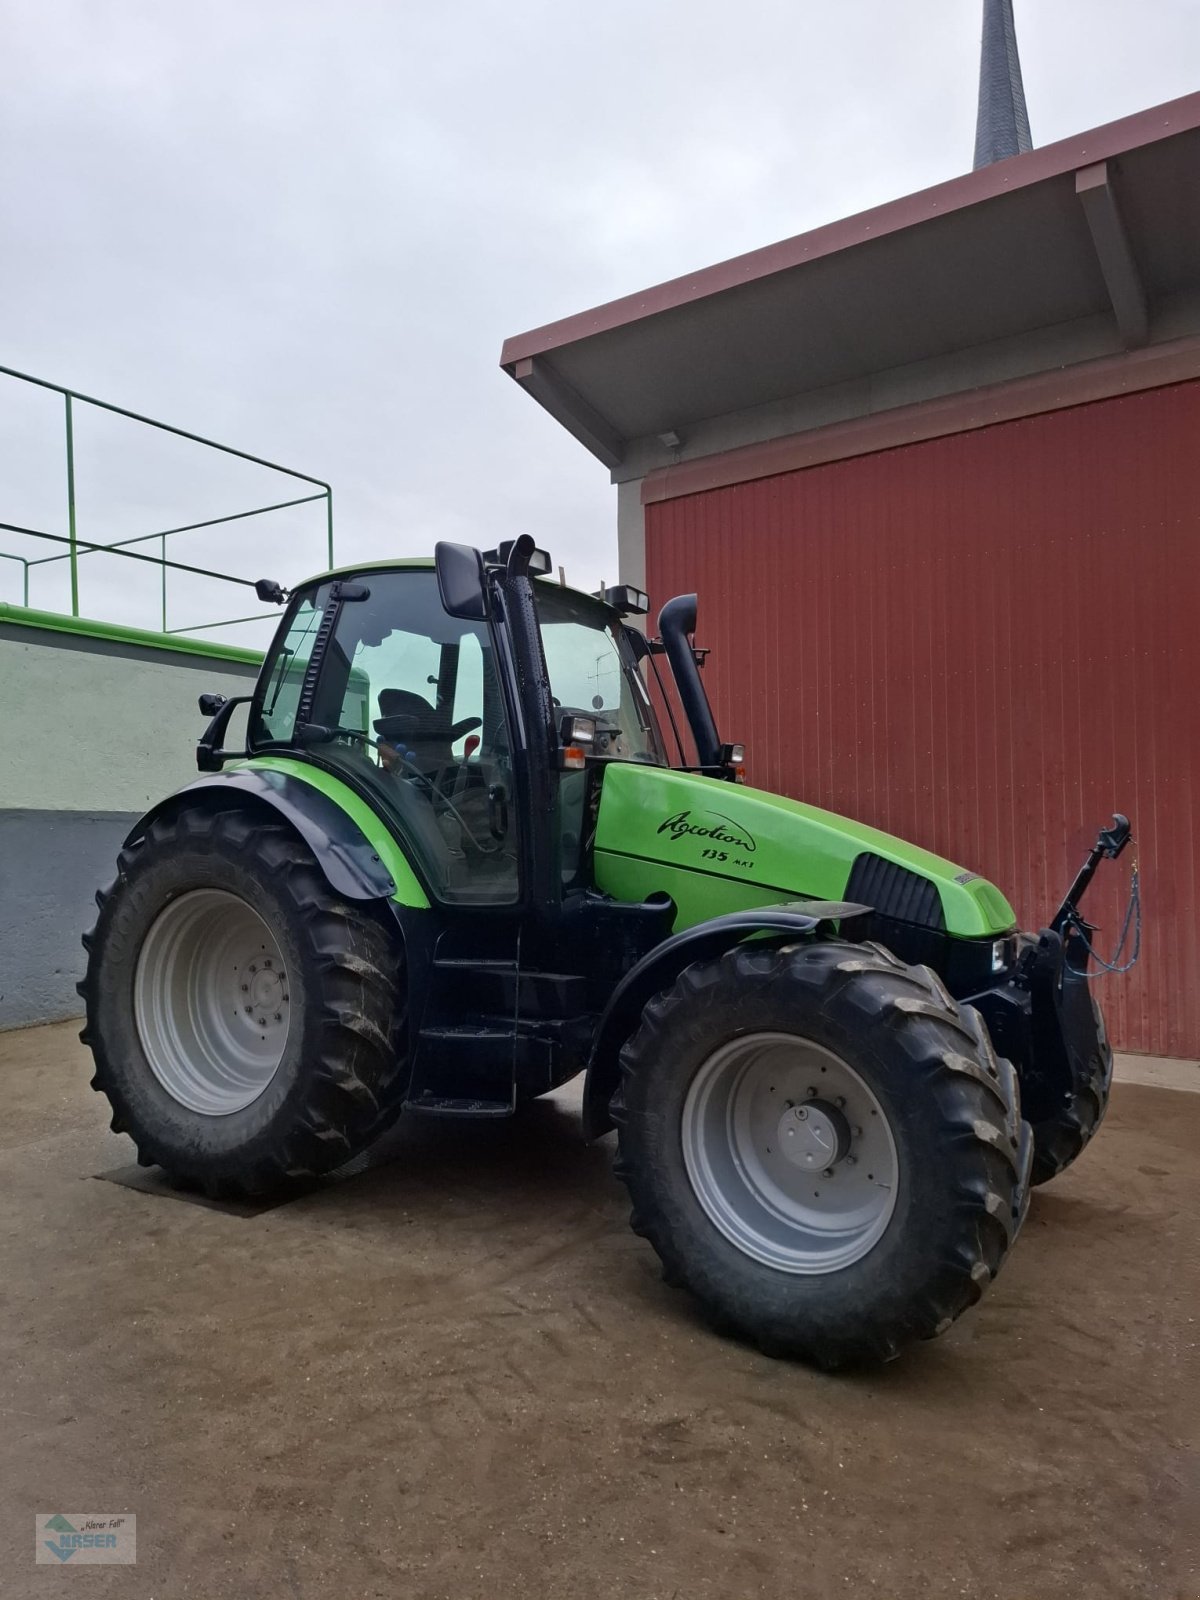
440 1105
471 986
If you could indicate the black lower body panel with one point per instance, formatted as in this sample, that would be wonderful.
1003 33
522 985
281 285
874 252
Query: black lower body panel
1047 1023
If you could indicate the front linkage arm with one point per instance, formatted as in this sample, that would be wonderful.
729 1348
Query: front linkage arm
1109 842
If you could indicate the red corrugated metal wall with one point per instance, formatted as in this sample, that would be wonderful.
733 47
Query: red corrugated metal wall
985 644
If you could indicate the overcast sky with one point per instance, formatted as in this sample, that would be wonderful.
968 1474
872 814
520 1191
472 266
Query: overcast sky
305 229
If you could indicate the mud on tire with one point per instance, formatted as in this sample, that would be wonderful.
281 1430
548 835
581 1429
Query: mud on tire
962 1151
339 1079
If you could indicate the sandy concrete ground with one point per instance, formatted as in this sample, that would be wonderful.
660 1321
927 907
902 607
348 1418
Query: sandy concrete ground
461 1376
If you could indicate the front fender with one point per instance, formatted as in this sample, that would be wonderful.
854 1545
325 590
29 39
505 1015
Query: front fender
356 866
795 919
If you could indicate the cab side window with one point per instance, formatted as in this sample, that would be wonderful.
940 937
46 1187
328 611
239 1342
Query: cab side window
276 718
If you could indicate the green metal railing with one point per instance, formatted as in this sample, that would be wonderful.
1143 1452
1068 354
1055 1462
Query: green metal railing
4 556
77 547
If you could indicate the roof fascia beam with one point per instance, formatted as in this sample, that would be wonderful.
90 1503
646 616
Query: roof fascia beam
1126 291
540 380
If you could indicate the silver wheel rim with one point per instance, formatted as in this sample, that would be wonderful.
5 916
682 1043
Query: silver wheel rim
212 1001
790 1153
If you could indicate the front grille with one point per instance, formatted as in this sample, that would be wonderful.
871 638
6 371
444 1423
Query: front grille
895 891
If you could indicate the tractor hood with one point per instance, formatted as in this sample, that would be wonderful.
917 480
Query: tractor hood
715 847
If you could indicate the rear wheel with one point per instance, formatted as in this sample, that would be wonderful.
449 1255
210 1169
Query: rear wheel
246 1023
823 1147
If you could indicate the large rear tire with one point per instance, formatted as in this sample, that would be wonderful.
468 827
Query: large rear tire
823 1147
246 1023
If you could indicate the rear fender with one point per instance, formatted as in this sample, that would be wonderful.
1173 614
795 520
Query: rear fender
350 862
797 919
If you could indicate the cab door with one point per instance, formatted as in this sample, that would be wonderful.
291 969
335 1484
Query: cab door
407 707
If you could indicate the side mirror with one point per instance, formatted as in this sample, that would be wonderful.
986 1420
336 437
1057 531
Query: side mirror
461 581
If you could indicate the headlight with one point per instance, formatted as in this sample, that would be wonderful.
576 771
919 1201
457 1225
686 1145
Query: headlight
999 955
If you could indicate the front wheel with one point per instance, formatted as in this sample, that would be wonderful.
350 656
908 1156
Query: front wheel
823 1147
1066 1115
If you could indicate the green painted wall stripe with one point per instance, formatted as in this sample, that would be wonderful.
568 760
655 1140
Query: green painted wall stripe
115 632
408 890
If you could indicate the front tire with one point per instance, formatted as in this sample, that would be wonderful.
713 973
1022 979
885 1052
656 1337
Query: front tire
246 1023
1064 1123
823 1147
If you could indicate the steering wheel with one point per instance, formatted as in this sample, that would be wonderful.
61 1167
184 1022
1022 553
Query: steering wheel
439 798
436 794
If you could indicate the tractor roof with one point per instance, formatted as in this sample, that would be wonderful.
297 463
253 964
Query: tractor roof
425 564
388 564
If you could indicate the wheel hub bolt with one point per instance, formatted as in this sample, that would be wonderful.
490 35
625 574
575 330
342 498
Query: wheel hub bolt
249 1010
279 1018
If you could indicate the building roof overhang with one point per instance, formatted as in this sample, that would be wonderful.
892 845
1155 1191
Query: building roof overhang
1085 248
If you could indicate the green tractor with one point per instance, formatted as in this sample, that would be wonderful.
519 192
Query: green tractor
454 868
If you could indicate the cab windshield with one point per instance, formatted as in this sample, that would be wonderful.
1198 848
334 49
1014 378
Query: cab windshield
593 674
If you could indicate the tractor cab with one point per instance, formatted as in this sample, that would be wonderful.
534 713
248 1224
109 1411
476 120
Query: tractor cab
422 711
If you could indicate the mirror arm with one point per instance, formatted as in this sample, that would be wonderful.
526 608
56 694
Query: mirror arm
210 757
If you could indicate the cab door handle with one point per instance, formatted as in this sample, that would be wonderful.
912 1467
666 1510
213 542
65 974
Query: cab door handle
498 811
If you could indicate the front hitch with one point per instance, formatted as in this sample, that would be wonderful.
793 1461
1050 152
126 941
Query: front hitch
1109 842
1041 1015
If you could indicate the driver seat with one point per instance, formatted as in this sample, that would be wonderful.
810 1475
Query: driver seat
410 722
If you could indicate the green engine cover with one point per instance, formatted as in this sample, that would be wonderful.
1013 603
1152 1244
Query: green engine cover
716 847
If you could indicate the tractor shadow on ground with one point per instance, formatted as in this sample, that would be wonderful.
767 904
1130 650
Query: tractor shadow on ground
538 1155
532 1183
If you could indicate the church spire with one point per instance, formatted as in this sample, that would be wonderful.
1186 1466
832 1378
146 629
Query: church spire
1002 126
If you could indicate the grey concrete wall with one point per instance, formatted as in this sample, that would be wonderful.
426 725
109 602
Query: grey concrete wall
92 732
51 863
631 547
